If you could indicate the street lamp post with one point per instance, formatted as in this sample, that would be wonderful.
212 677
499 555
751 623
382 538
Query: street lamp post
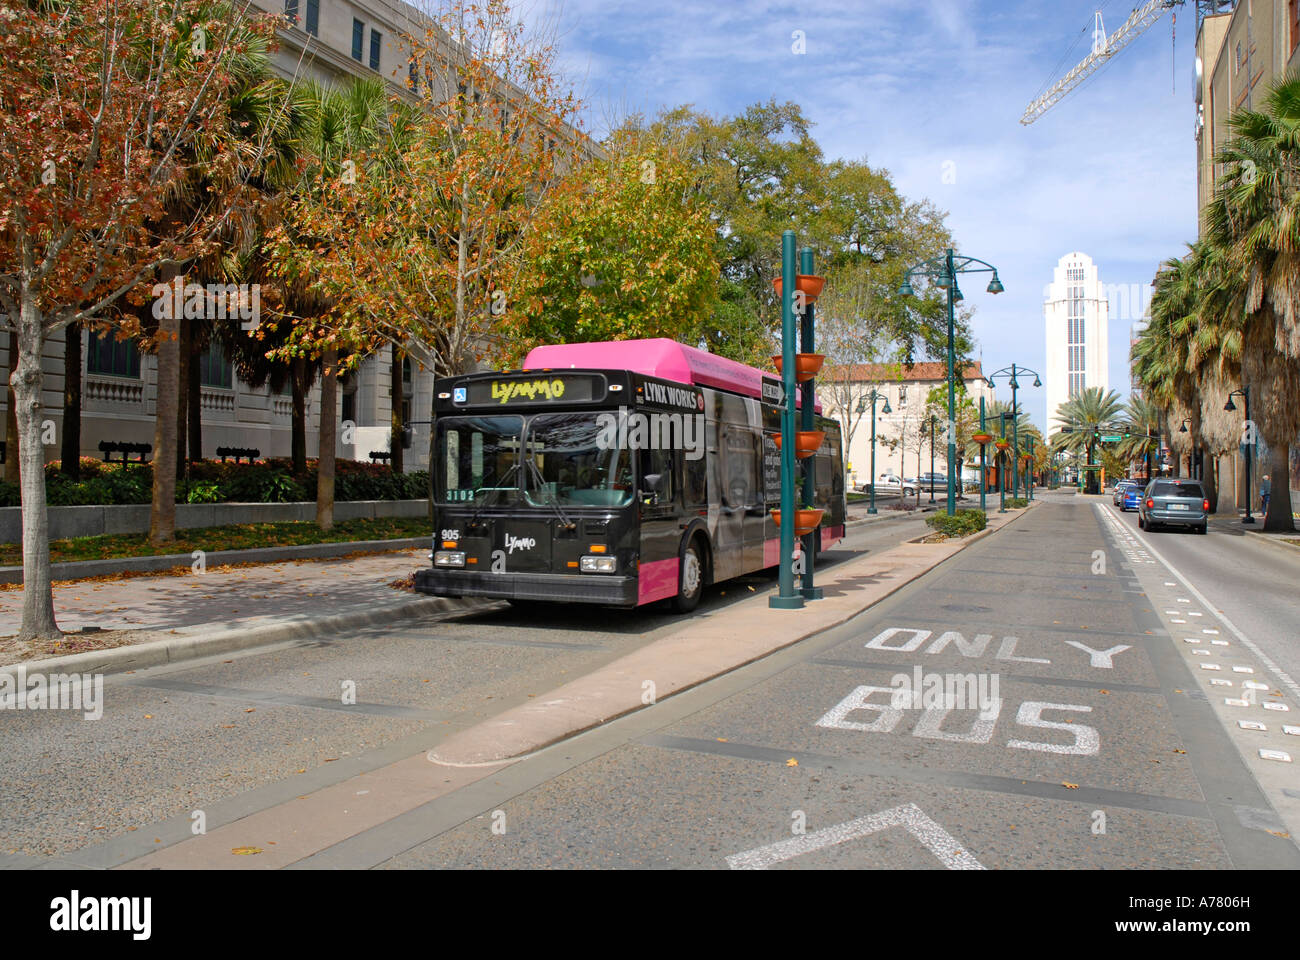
984 470
1011 372
1244 392
943 271
874 396
1029 470
933 421
1191 454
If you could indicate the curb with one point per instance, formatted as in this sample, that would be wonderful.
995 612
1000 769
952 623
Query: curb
232 638
1274 541
82 569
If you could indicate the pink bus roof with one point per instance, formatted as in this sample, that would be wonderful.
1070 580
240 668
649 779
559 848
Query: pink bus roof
659 357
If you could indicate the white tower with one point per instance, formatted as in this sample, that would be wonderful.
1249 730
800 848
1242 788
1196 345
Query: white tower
1076 312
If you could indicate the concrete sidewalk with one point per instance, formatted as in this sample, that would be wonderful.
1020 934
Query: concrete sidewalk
143 609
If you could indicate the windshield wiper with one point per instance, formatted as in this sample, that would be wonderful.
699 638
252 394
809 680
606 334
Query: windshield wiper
473 519
551 502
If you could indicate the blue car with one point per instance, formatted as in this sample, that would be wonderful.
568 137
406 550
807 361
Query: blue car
1132 499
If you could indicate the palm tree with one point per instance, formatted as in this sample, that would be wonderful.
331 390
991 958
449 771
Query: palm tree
1082 418
1254 222
1141 434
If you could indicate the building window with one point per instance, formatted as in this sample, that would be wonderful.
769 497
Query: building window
291 11
214 368
1295 23
413 75
376 39
313 17
902 397
109 356
358 34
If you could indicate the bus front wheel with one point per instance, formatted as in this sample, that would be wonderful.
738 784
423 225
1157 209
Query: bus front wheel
690 581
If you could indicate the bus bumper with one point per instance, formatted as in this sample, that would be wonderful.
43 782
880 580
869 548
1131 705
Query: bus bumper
562 588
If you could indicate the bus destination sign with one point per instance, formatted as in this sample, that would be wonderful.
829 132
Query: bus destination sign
541 390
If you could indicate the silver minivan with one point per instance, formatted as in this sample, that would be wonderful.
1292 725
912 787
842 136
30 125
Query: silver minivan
1174 502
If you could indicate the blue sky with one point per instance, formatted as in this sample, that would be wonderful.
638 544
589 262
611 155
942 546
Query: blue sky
923 86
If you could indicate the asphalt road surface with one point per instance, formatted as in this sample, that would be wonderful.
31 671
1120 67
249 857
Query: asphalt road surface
237 733
1120 723
1105 747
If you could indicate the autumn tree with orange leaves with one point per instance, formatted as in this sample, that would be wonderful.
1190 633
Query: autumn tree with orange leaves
106 108
416 241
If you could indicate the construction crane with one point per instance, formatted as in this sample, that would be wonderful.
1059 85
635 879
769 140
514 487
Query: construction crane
1105 47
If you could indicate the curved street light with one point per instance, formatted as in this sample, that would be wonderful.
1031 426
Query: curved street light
1012 373
943 271
873 397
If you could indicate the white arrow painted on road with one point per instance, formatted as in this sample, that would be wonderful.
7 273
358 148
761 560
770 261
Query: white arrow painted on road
909 816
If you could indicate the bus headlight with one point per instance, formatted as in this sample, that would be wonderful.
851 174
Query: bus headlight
598 564
449 558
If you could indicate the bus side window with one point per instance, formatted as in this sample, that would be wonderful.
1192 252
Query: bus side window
694 486
658 463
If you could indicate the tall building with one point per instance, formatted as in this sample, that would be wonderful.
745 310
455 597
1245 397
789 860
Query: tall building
1076 313
1239 54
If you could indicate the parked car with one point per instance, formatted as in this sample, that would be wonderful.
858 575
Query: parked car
1170 502
926 483
1117 497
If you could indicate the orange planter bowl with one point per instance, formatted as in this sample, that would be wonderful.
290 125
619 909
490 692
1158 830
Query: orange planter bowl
806 283
806 442
982 438
806 365
1002 444
805 521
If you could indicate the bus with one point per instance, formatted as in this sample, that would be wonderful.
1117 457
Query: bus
617 473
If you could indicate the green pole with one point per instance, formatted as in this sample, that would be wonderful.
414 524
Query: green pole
1002 470
952 393
983 468
787 598
872 508
1029 471
1015 436
808 345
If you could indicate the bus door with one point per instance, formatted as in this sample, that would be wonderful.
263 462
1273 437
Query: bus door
657 496
739 531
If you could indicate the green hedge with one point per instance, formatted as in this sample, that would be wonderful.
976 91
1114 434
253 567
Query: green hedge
211 481
960 524
1015 503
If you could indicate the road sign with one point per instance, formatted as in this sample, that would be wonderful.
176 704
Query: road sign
773 390
1112 438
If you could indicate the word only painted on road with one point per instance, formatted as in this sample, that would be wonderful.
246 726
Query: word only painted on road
910 640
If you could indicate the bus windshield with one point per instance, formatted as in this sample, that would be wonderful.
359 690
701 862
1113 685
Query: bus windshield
478 459
573 468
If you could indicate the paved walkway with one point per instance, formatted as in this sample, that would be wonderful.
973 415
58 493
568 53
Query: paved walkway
248 595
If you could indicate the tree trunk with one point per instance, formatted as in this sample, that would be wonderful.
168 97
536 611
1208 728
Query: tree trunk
71 445
11 417
26 381
1279 519
298 451
395 442
162 513
194 401
328 430
186 329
